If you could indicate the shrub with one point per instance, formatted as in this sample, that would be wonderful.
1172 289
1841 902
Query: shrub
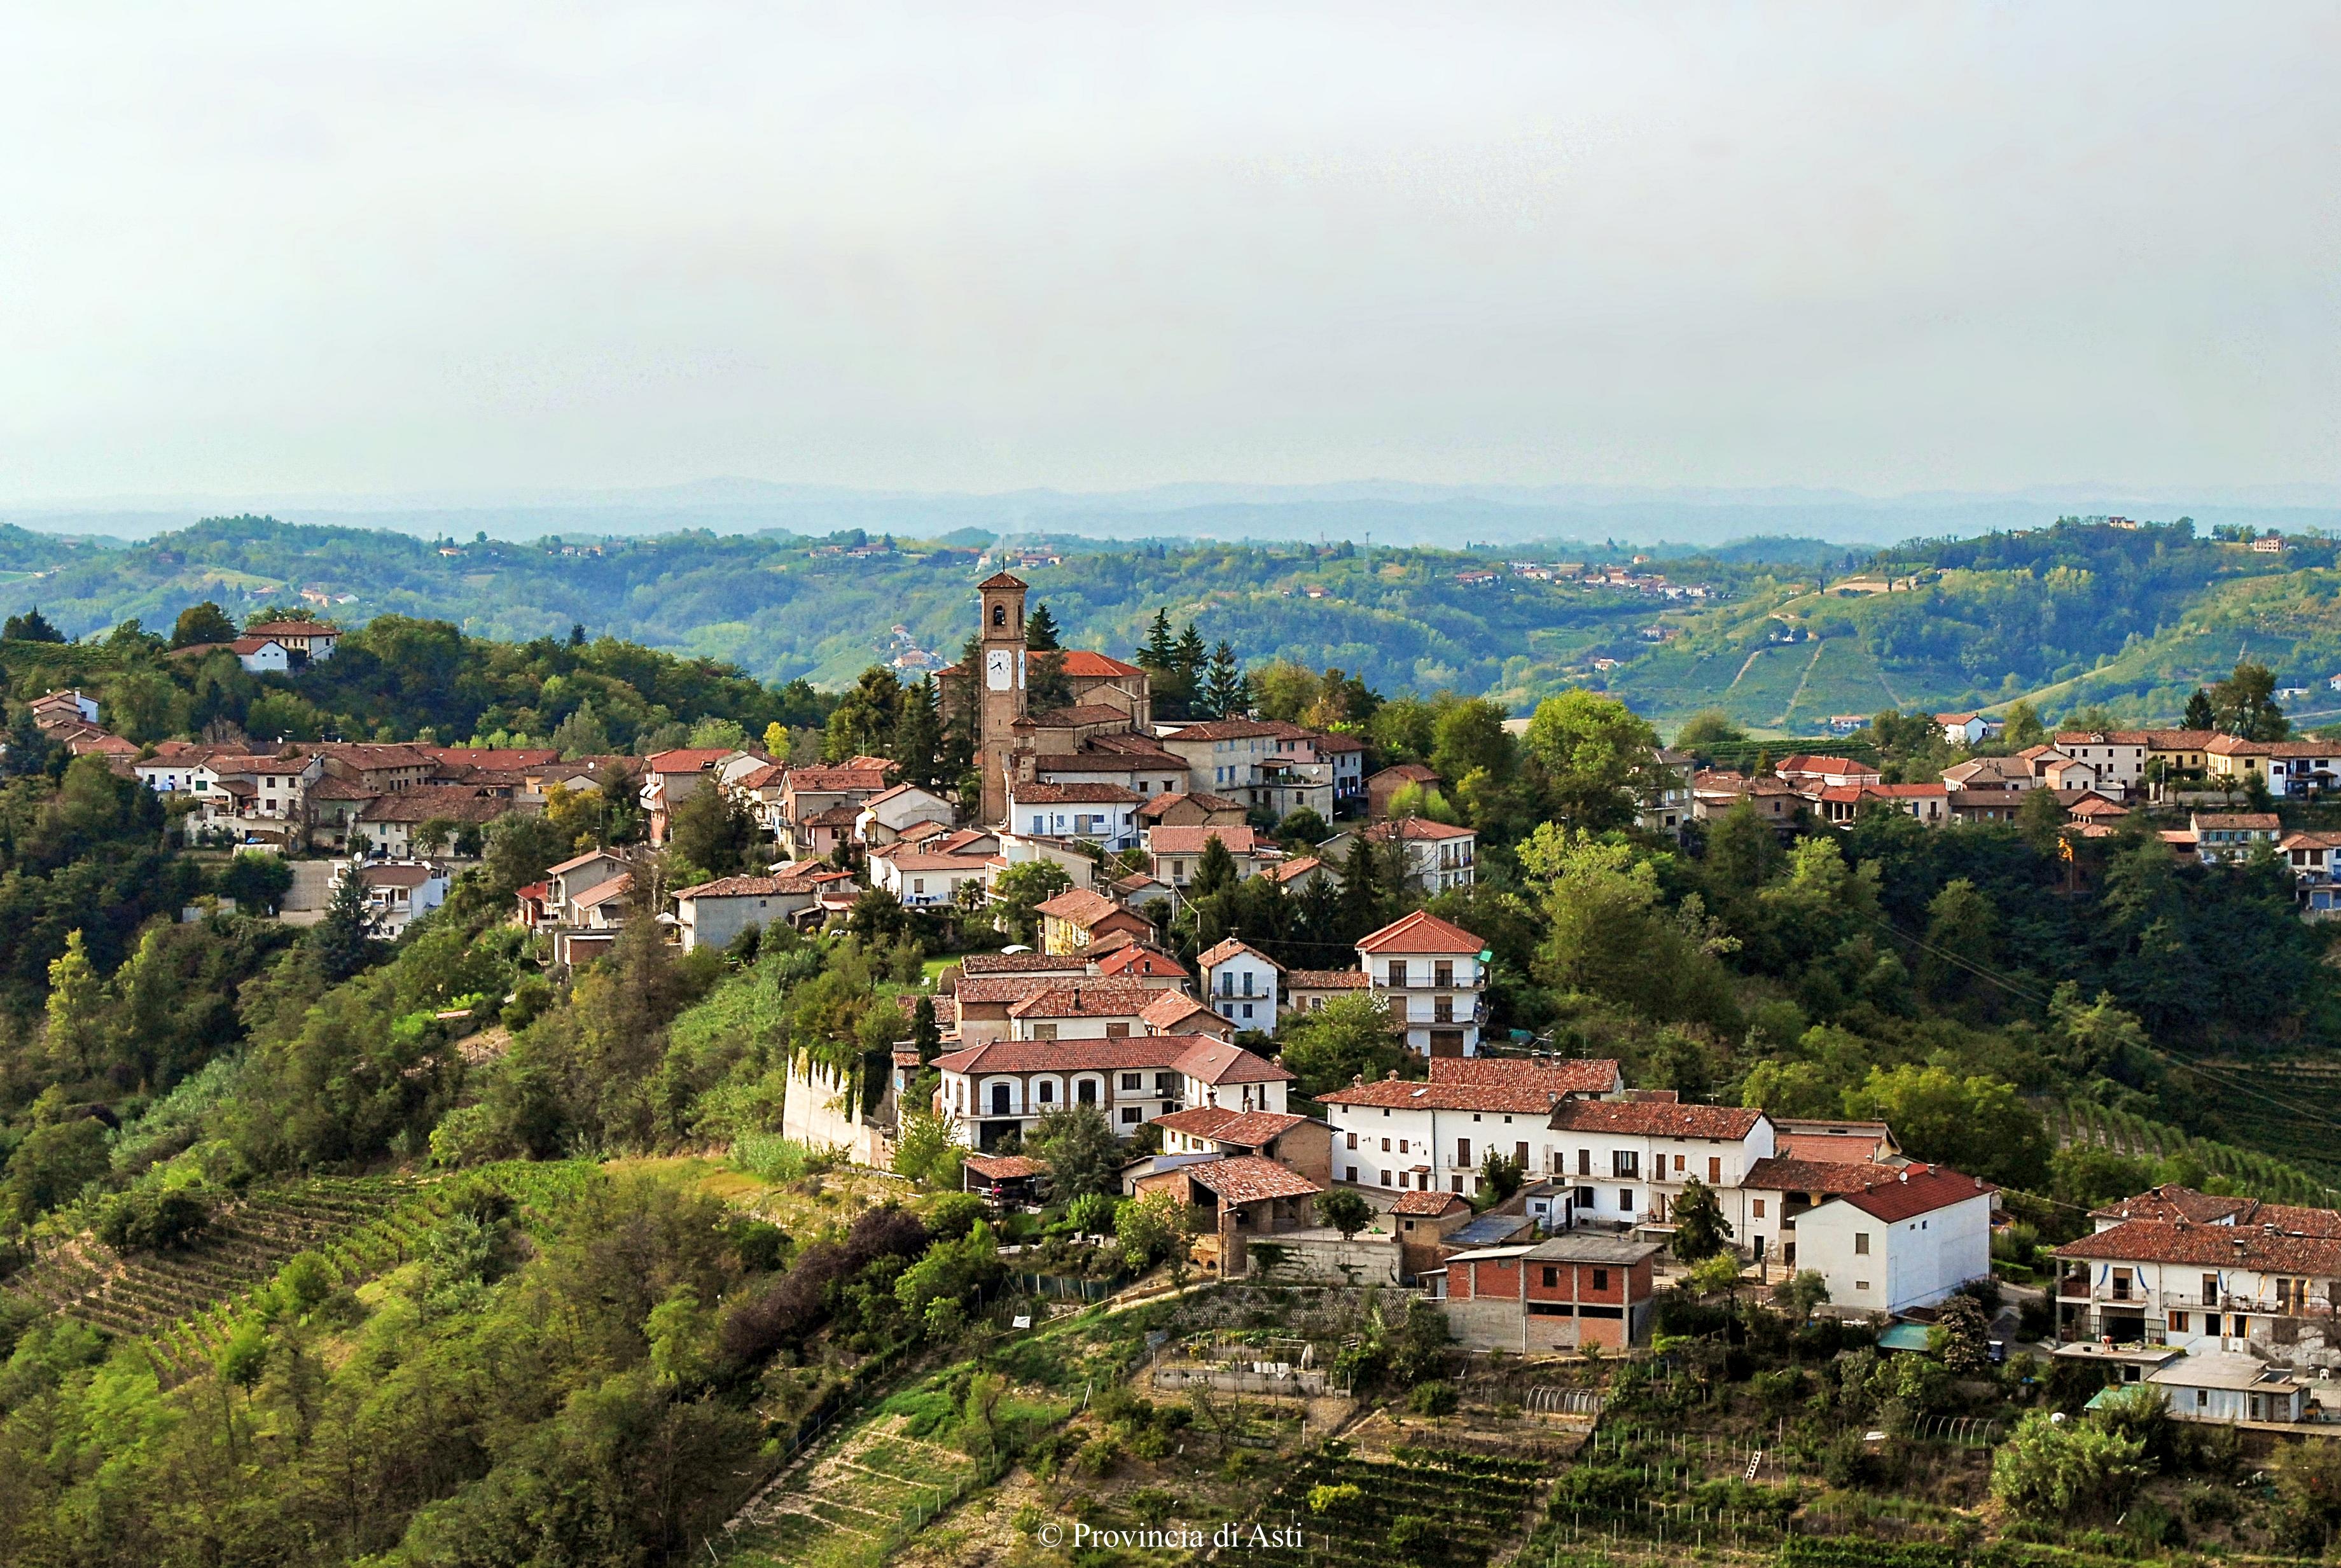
1093 1213
153 1220
953 1215
307 1282
1434 1398
2054 1469
1410 1533
1336 1500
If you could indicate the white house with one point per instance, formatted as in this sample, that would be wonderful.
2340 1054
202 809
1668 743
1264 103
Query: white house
397 893
2116 757
262 655
991 1090
885 815
1104 814
1082 1010
1908 1240
1969 729
1631 1158
1240 984
920 881
711 914
1429 974
1438 855
1432 1136
2228 1386
306 640
2205 1272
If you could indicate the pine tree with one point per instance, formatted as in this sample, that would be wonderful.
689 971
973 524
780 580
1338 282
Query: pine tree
1157 651
1227 690
924 1031
1215 870
2198 710
918 737
1361 892
1188 660
344 937
1040 630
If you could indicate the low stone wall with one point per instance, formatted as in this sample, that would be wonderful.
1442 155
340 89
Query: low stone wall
1323 1258
819 1112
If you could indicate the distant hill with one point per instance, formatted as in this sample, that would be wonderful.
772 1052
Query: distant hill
1792 630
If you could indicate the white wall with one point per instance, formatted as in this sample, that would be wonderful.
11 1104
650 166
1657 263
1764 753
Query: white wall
1910 1263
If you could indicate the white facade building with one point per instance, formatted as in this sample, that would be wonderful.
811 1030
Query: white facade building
1908 1241
1433 1137
1431 976
1241 983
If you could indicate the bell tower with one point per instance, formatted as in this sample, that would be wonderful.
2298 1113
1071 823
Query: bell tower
1000 655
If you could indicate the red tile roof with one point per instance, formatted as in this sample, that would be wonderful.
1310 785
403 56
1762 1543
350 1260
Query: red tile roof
1133 958
1004 1167
842 779
1073 717
1092 1001
1239 840
1434 1205
1524 1092
1157 805
1227 729
1196 1121
456 802
1421 932
1003 580
1564 1075
1080 906
1327 980
1415 830
1197 1055
1835 1148
1167 1009
1014 985
2209 1245
1917 1189
1833 1176
1294 870
1021 963
686 759
1249 1178
1257 1130
1081 661
1072 794
746 887
1656 1119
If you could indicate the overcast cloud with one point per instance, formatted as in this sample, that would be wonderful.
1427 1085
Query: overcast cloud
392 248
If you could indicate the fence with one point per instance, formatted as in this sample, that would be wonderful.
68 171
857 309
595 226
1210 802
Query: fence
1298 1385
1562 1402
1974 1431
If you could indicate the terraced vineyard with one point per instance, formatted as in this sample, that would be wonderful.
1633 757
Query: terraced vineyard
185 1303
2260 1174
1473 1506
855 1504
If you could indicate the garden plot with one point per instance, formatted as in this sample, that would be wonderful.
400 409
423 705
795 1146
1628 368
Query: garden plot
854 1502
1430 1506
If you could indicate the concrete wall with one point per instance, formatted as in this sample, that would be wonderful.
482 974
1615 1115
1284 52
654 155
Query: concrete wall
1324 1257
1910 1263
816 1111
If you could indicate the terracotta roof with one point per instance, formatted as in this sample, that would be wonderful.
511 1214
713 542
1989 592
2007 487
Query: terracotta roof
1083 663
1164 1009
1256 1129
1135 959
1021 963
1828 1147
1292 870
2266 821
1249 1178
602 892
2180 740
494 755
330 787
1434 1205
1084 1002
1917 1189
1333 741
397 876
686 759
246 646
1527 1096
1197 1055
1832 1176
1806 762
1163 840
456 802
842 815
1226 730
771 774
1197 1121
981 990
746 887
1078 794
1081 906
1327 980
2209 1245
1412 772
292 629
1562 1075
1073 717
1417 829
1140 747
1656 1119
1157 805
1221 952
843 779
1003 580
896 791
2173 1202
1421 932
576 860
921 861
1004 1167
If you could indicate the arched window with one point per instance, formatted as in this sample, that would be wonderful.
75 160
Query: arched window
999 615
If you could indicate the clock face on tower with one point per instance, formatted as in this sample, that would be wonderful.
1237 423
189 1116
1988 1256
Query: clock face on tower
999 669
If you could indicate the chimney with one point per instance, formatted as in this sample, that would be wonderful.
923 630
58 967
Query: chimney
1390 1076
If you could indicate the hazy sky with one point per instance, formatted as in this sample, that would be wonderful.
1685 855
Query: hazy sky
391 248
